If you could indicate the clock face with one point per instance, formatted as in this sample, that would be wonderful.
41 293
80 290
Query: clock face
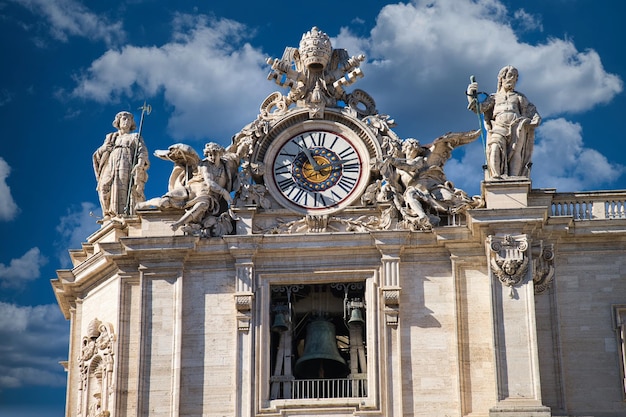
317 171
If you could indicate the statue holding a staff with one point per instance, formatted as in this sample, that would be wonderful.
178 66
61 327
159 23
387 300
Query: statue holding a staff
120 165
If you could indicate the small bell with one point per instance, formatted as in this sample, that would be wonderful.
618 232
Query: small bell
280 325
356 317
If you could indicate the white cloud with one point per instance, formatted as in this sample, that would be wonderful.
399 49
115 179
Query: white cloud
21 270
34 340
420 56
8 208
212 79
526 21
75 227
561 161
71 18
449 40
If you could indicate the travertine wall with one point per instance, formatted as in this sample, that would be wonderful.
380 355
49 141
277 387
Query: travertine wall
208 346
590 277
464 343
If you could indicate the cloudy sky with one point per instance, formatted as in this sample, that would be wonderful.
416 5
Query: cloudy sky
69 66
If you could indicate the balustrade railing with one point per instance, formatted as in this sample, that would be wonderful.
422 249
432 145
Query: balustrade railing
590 206
352 387
330 388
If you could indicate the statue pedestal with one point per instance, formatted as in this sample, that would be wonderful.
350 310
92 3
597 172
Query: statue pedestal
244 220
506 193
155 222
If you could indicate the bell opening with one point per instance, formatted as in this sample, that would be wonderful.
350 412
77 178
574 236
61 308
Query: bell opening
318 337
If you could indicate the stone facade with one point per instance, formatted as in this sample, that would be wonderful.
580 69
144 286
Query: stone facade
322 266
191 317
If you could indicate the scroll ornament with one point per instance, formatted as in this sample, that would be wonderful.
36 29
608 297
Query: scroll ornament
543 269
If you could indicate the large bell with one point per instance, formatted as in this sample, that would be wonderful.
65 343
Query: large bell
321 358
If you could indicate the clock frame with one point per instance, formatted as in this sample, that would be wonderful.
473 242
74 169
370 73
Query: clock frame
319 166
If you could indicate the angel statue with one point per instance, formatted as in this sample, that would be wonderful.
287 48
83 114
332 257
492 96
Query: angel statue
420 189
201 187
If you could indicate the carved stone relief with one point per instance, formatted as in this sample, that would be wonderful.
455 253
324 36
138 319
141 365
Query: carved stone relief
543 268
508 258
95 365
402 184
201 187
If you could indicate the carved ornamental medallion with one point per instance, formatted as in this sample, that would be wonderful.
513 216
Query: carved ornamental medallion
508 258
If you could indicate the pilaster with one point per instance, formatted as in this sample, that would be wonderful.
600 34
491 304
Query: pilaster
515 332
391 245
243 249
160 341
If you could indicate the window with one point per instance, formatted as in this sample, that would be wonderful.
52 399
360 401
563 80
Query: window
318 340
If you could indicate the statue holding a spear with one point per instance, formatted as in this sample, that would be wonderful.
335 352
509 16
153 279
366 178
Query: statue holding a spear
120 165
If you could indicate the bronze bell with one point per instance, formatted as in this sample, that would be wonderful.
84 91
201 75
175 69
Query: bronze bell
356 317
280 325
321 358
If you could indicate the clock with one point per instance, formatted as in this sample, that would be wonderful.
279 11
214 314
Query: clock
318 170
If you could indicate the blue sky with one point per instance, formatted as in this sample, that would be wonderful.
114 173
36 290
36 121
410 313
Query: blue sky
69 66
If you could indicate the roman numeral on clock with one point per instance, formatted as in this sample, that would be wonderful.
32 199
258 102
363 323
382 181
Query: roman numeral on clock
353 167
282 169
319 200
346 183
300 197
286 184
346 153
318 138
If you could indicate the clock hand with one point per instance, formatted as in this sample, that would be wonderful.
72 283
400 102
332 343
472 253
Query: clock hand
309 156
331 164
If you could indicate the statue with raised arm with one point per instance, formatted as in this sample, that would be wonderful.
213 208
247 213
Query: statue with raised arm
419 185
510 120
120 165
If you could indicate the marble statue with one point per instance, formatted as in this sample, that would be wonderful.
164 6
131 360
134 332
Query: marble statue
201 187
403 183
417 184
120 165
316 75
511 121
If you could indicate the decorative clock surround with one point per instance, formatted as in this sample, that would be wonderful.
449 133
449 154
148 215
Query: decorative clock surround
312 154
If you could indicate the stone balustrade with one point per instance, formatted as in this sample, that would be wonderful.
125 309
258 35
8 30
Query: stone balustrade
590 205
